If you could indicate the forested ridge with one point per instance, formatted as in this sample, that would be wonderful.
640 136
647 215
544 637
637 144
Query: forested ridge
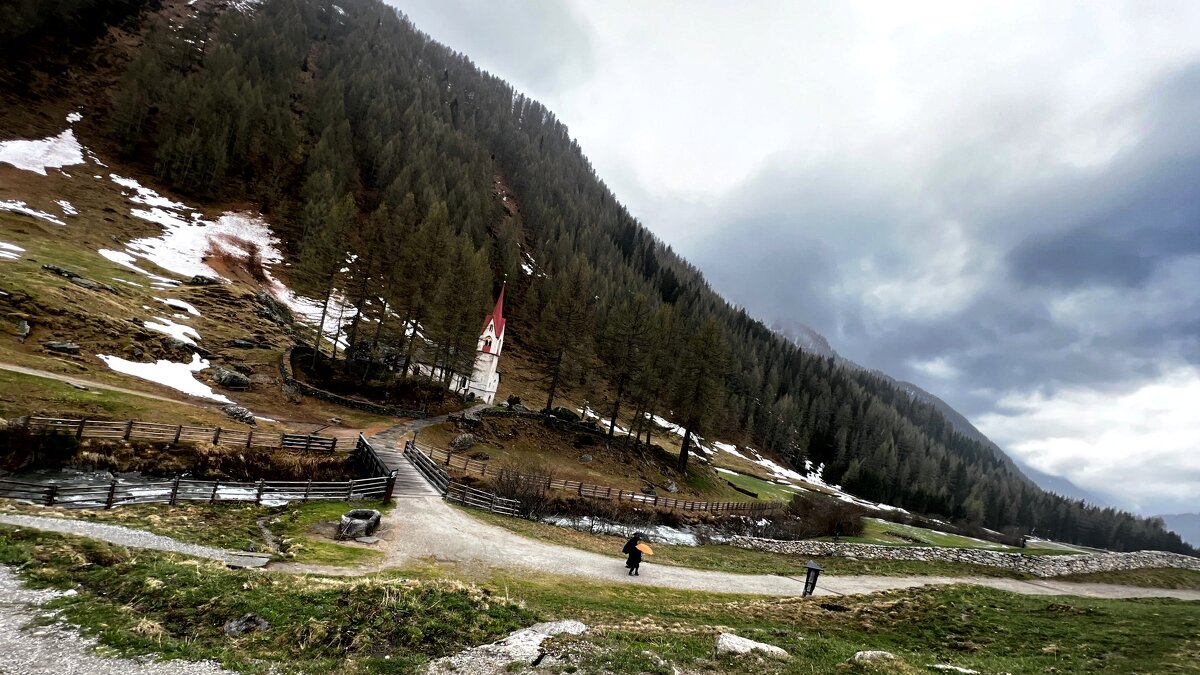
413 183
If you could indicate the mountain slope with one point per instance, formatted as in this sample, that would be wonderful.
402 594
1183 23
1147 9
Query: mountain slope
378 155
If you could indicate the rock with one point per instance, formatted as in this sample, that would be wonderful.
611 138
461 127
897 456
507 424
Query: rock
244 368
564 414
728 643
230 379
63 347
517 407
585 459
23 329
175 344
522 647
672 486
952 668
463 442
367 540
86 283
200 280
80 387
138 353
648 490
242 343
239 413
873 656
247 623
358 523
336 421
60 271
271 309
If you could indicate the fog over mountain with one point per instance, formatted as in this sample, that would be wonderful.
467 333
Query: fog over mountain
994 202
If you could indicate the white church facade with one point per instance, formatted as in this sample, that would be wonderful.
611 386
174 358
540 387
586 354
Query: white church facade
484 379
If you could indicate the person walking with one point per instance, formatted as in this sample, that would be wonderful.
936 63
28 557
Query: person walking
634 561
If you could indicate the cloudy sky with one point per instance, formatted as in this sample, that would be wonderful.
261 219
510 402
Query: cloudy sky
997 201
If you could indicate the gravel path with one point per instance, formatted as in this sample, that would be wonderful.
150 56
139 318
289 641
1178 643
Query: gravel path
92 384
60 650
125 536
429 529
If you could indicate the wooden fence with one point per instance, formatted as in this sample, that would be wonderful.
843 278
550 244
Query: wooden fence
442 458
457 492
182 490
178 433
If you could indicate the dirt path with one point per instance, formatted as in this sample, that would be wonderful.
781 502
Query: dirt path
91 384
427 528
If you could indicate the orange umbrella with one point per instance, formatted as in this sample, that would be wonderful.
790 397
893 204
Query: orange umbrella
645 548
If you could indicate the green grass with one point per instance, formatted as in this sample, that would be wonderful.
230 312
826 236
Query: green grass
1148 578
162 604
980 628
235 526
152 603
766 490
732 559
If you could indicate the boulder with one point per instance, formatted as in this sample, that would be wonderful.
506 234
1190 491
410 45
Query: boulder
585 459
728 643
242 343
246 623
230 379
672 486
23 329
200 280
86 283
648 490
517 407
873 656
271 309
239 413
60 271
63 347
358 523
463 442
519 651
564 414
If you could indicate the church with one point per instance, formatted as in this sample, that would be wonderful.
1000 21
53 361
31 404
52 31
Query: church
484 380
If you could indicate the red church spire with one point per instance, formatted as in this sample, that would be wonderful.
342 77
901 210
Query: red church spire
497 315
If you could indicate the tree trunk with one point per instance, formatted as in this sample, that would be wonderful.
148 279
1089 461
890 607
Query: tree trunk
412 341
683 452
554 378
612 423
374 344
321 325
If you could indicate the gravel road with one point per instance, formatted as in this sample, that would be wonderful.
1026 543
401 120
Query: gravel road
125 536
60 650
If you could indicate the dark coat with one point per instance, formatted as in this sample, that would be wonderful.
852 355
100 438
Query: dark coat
631 550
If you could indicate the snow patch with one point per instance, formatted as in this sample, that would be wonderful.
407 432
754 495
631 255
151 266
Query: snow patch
175 330
22 207
47 153
10 251
125 260
175 303
178 376
74 117
67 208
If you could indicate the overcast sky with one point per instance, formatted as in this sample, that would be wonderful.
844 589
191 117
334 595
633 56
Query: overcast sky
999 202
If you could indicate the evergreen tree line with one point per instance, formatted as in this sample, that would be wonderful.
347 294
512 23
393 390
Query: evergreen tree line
386 161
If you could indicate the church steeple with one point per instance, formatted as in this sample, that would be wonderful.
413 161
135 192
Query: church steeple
492 334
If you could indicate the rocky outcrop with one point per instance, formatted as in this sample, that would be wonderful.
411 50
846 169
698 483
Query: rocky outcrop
230 379
1037 565
522 647
728 643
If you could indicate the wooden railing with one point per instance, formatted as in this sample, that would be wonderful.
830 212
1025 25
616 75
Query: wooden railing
468 496
364 454
442 460
178 433
457 492
180 490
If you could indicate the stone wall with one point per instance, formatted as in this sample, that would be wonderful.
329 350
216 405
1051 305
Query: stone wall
289 379
1037 565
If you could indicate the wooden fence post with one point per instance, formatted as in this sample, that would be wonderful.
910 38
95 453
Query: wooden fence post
112 495
333 445
175 491
308 443
213 497
307 489
391 485
217 436
128 429
349 490
249 437
51 495
79 431
492 506
178 433
258 496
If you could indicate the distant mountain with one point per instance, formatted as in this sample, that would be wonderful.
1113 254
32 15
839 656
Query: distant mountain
805 338
1186 525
